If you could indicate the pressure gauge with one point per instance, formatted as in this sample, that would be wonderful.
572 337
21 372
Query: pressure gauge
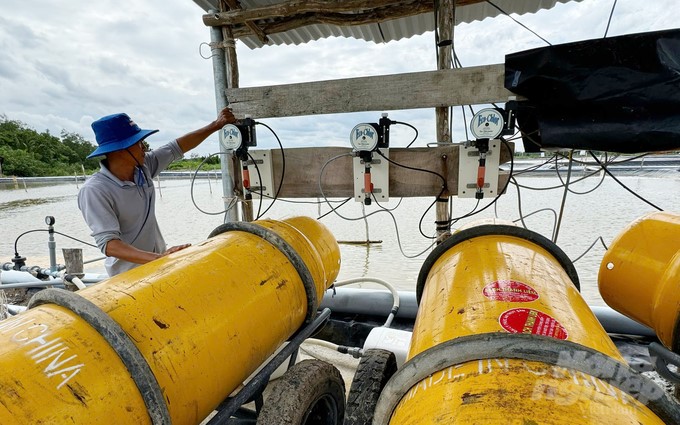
364 137
487 124
230 137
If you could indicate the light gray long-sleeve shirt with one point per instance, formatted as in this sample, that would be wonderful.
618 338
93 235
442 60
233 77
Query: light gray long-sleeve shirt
115 209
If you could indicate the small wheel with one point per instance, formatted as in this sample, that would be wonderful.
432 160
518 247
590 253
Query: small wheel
376 367
311 393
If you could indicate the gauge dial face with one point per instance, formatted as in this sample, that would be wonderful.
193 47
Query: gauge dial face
230 137
364 137
487 124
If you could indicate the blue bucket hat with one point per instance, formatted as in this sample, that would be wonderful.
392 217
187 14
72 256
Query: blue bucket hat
116 132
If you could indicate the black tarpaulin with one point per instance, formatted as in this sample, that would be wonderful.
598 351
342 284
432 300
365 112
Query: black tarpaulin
619 94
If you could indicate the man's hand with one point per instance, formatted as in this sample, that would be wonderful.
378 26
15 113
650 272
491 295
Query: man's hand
225 117
193 139
175 249
119 249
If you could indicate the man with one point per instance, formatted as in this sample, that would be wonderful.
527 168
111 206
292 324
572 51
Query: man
118 202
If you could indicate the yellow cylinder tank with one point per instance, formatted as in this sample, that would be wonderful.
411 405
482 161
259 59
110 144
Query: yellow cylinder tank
502 336
640 275
167 341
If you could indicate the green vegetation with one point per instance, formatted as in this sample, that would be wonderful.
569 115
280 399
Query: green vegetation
26 153
194 161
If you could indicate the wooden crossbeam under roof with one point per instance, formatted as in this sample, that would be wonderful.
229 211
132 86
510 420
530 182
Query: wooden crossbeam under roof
260 22
296 14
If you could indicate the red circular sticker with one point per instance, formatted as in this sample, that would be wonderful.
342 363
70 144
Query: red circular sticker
529 321
510 290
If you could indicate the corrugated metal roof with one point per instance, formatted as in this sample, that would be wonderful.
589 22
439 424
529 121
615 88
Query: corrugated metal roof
388 30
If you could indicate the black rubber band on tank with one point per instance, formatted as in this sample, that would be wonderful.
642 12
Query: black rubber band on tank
489 230
287 250
120 342
543 349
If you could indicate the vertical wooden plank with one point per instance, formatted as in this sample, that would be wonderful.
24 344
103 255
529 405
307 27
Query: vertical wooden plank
445 18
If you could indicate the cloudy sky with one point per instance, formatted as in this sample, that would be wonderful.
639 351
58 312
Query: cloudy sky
65 63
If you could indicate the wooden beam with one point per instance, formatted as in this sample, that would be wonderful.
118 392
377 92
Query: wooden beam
293 8
303 169
235 5
348 10
466 86
338 19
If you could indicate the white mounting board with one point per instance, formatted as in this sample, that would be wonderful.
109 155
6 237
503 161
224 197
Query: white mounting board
379 177
468 166
264 164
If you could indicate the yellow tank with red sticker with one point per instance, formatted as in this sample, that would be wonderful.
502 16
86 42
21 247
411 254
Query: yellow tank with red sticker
499 280
640 271
203 319
503 283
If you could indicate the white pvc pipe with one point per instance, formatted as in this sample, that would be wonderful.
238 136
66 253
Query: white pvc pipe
79 283
321 343
16 309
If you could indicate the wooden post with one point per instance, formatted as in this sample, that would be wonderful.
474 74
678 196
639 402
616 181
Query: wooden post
3 298
73 259
445 23
230 57
446 15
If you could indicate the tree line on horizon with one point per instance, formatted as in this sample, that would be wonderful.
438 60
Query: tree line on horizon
25 152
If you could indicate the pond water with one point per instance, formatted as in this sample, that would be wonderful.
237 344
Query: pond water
603 212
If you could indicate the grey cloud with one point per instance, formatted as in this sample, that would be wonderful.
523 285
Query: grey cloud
111 66
8 69
52 95
21 35
21 101
145 60
57 76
